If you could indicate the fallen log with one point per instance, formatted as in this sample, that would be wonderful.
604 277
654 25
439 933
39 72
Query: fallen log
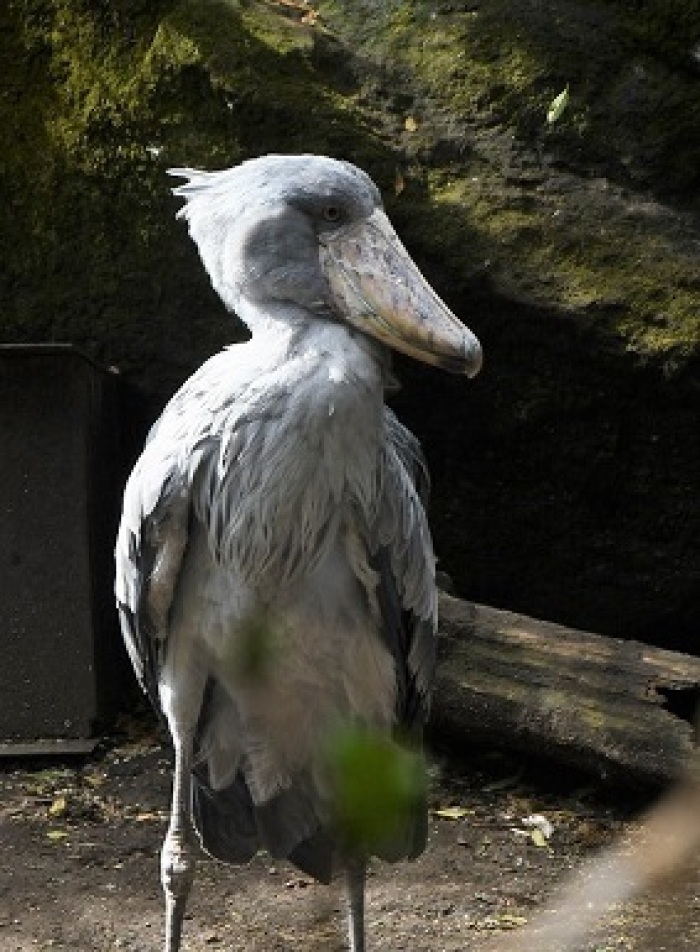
620 709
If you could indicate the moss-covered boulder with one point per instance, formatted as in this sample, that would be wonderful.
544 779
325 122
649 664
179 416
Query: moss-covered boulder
566 476
98 100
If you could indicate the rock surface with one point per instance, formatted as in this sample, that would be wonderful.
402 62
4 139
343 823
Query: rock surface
566 475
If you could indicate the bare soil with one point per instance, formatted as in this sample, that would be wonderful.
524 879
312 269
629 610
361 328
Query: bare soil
79 866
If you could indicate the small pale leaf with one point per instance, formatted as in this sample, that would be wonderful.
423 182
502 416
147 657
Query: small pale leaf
58 807
56 834
452 813
538 837
510 921
410 124
557 106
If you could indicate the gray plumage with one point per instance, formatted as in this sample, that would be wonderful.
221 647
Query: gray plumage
277 498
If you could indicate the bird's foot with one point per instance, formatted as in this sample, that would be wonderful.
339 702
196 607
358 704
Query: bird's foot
177 865
356 906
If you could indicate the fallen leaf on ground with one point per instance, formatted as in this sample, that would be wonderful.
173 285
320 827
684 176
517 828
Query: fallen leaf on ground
147 817
56 834
58 807
538 823
538 837
452 813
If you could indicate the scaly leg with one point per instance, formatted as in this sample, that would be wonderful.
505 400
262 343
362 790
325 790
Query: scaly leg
356 905
182 683
177 858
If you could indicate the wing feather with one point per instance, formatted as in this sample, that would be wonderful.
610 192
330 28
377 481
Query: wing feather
404 560
154 527
150 547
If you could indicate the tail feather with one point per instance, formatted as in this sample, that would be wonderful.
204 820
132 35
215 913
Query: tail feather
224 819
296 823
232 828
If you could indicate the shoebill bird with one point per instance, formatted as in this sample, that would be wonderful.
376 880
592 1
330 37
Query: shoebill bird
276 513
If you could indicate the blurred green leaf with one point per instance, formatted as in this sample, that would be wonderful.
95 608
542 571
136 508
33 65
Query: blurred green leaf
254 651
379 787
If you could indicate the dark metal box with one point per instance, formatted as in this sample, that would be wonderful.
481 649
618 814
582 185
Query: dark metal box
61 662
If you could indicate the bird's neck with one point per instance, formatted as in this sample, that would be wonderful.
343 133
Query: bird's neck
289 332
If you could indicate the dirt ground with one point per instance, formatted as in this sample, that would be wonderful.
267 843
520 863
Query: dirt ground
79 865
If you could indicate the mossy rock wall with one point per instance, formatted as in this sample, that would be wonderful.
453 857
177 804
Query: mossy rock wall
566 476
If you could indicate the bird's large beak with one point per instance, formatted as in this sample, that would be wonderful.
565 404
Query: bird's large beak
377 287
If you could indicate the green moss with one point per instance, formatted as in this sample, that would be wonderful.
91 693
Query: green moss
634 286
211 60
458 58
634 106
100 99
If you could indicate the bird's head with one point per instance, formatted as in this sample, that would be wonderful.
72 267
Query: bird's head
309 233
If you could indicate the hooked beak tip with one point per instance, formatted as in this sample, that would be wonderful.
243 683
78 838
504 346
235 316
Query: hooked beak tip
474 359
466 360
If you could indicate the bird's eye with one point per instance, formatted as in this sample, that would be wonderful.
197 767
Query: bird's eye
332 213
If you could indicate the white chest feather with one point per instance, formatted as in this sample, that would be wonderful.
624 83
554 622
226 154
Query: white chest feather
287 471
284 502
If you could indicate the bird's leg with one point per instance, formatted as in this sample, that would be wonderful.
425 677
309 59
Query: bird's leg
181 690
177 858
356 905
